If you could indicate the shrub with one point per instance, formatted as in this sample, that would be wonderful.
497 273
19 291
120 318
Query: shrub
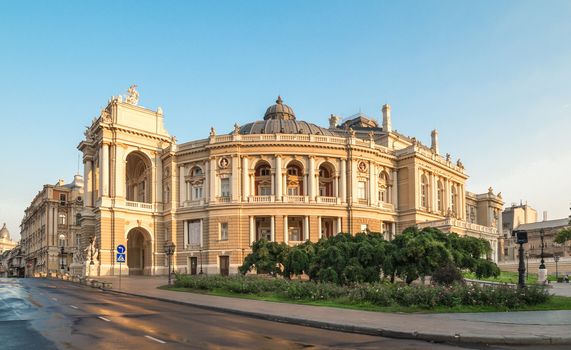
447 275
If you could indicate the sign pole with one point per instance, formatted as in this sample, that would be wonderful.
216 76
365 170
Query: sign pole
120 264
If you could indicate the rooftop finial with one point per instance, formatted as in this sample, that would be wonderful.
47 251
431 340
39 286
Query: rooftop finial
279 100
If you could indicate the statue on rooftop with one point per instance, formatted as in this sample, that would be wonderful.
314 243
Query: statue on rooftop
132 95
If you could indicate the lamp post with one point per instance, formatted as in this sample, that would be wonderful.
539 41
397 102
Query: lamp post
169 251
556 258
542 275
62 240
201 272
521 237
526 265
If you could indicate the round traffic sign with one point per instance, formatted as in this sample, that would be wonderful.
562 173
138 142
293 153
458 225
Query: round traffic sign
121 249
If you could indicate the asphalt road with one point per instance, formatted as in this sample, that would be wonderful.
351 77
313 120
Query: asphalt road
47 314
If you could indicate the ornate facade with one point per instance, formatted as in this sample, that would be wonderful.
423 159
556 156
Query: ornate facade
54 211
277 178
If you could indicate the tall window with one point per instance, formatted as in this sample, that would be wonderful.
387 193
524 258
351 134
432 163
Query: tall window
223 231
362 190
294 180
225 187
384 188
62 219
423 192
138 178
453 200
325 181
194 232
196 183
440 197
263 179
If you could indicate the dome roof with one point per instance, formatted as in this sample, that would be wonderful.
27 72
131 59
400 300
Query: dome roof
279 111
4 233
281 126
280 119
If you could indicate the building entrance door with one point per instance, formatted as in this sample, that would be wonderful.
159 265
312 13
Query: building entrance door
193 265
224 265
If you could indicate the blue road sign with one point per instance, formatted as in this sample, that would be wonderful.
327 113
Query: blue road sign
121 257
121 249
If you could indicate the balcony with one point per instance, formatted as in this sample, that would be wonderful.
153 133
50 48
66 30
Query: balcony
261 199
327 200
386 206
471 229
295 199
225 199
139 205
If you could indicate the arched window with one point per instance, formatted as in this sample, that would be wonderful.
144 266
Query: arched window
325 181
195 184
440 196
384 188
138 178
263 179
424 191
294 179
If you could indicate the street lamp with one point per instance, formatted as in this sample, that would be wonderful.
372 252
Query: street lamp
169 251
541 235
542 275
556 258
62 240
526 265
521 238
200 250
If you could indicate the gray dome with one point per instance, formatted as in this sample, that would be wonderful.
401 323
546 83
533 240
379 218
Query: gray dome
4 233
279 111
281 126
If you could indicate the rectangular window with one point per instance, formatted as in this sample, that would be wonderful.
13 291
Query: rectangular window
62 198
194 232
225 187
223 231
362 190
364 228
62 219
196 192
293 191
265 191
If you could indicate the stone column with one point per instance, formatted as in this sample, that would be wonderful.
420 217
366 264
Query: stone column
319 233
372 185
235 178
339 227
279 188
306 228
273 228
393 230
252 230
394 194
245 179
311 184
104 170
286 238
88 179
212 181
343 187
182 185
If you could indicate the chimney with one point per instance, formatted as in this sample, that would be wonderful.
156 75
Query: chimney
545 215
387 127
434 145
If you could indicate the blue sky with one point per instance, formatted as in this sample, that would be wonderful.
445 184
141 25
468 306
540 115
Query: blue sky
493 77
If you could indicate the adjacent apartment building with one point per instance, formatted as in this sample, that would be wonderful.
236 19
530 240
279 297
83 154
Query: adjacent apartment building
277 177
52 213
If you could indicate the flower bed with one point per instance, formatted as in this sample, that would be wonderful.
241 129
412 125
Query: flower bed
380 294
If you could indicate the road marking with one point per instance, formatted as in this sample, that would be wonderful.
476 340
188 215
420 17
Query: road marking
104 319
74 307
155 339
54 299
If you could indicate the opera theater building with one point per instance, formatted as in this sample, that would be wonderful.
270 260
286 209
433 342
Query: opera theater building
276 177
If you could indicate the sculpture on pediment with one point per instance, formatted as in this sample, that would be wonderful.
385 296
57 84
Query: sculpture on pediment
499 195
212 131
236 129
351 132
448 157
459 164
490 190
132 95
371 135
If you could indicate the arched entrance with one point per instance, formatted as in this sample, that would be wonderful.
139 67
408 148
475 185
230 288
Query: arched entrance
138 251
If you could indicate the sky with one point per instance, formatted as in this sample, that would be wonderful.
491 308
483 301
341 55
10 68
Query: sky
493 77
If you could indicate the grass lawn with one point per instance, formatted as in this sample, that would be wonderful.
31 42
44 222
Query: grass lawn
508 277
554 303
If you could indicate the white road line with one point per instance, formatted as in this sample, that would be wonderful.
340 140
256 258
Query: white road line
155 339
74 307
104 319
54 299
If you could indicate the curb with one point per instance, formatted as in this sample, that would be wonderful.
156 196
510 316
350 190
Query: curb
383 332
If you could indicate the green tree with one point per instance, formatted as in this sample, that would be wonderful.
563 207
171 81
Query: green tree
563 236
266 257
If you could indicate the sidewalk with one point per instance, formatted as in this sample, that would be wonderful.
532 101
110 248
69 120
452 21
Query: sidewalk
529 327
